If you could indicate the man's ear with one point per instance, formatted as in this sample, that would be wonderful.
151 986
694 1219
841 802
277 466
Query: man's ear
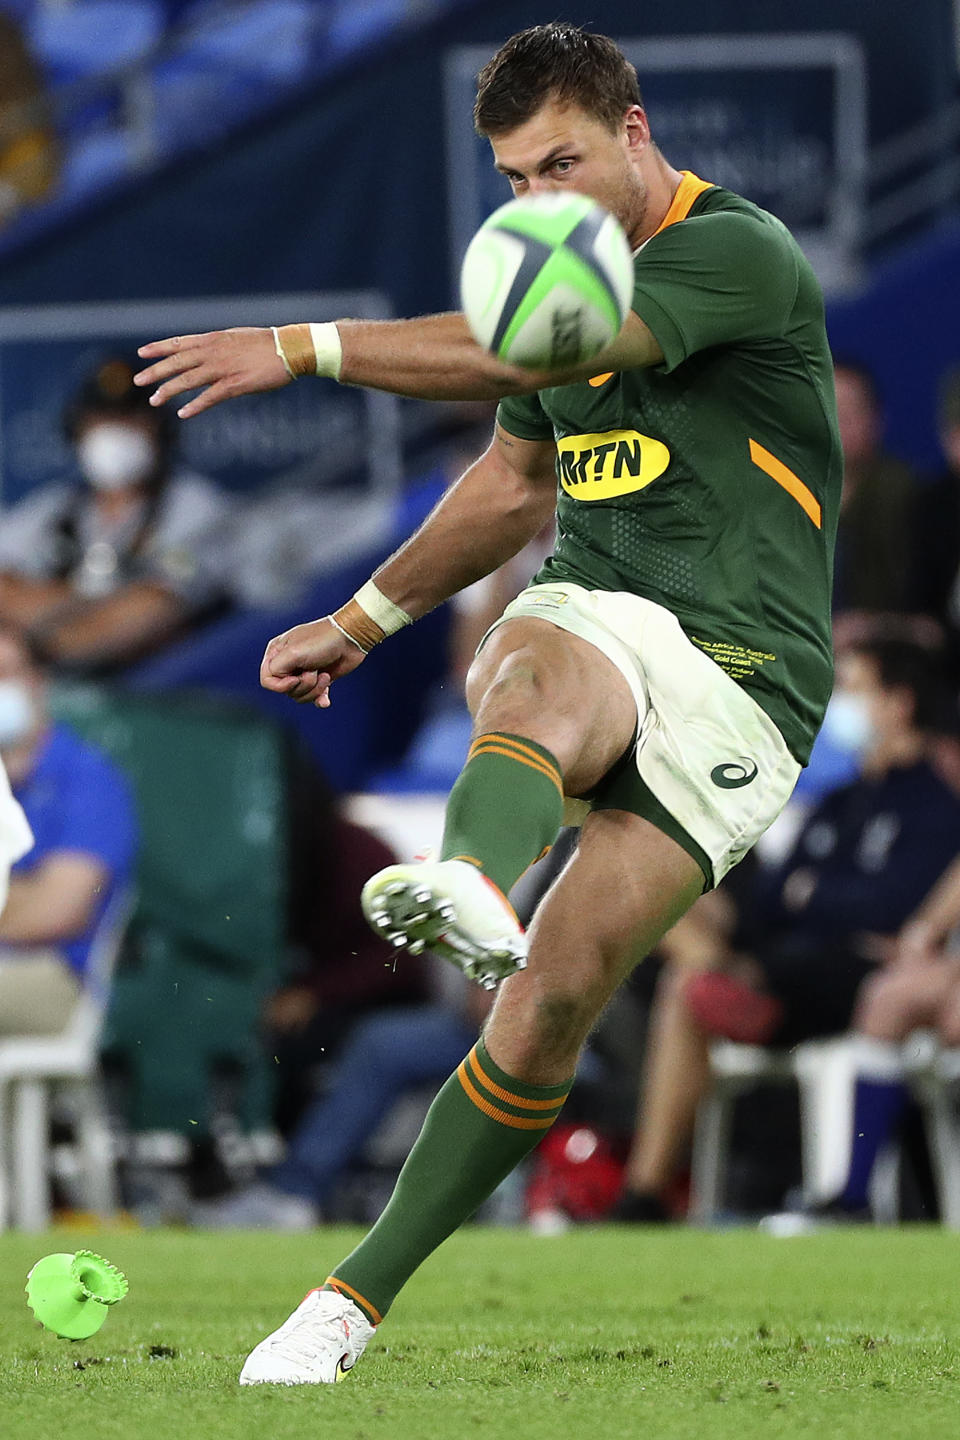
637 127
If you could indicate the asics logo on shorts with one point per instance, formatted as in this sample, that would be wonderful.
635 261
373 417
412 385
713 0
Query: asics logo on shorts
734 773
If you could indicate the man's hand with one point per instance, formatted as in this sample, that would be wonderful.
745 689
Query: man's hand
221 364
304 662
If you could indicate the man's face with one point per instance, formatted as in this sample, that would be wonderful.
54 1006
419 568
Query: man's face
22 697
888 711
115 452
564 148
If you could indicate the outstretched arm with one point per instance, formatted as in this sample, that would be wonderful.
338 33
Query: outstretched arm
434 357
492 511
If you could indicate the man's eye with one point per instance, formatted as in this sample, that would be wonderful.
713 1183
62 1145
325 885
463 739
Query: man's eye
562 166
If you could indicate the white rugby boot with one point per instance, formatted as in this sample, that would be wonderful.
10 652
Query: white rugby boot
319 1344
450 908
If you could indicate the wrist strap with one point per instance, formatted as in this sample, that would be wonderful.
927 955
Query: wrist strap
383 612
369 618
313 349
346 633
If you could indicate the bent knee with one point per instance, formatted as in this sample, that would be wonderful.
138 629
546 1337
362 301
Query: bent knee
515 678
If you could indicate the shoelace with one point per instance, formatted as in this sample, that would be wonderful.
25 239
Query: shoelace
304 1340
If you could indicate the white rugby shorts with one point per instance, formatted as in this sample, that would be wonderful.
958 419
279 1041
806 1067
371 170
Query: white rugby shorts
709 766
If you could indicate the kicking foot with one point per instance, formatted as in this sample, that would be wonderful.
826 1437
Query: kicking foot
320 1344
450 908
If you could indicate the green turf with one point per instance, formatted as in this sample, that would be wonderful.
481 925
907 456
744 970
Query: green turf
595 1335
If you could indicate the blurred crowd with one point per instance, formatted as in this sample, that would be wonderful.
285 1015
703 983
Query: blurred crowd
845 923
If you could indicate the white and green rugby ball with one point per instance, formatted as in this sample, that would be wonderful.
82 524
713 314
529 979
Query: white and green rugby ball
547 281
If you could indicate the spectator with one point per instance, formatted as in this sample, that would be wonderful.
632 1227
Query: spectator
387 1054
29 160
101 572
341 970
81 813
918 988
821 923
935 588
873 552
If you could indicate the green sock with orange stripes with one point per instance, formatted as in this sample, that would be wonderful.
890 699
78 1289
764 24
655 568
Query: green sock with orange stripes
478 1129
505 809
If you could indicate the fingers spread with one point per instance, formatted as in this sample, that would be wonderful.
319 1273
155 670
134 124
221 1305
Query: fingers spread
156 348
169 372
207 398
177 383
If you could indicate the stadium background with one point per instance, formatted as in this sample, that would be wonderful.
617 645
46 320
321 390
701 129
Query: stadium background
238 152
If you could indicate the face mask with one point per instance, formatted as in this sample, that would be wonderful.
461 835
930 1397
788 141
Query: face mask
113 455
847 722
16 712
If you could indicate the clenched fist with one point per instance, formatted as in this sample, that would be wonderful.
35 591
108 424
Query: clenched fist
304 662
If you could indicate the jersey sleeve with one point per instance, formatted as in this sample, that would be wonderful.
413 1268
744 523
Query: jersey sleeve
715 279
523 416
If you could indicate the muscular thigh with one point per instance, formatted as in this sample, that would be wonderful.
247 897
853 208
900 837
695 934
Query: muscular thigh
626 885
532 678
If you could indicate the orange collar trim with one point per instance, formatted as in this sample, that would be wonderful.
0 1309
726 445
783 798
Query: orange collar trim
687 191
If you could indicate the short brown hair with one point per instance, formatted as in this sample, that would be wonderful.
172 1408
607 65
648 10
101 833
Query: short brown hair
556 61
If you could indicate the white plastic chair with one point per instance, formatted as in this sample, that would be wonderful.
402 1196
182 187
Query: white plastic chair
823 1071
33 1067
933 1074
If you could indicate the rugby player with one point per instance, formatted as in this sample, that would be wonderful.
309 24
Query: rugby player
661 680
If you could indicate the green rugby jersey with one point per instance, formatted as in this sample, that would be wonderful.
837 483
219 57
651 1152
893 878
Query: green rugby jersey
711 483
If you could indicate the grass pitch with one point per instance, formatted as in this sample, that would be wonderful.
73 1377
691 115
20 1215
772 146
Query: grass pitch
609 1333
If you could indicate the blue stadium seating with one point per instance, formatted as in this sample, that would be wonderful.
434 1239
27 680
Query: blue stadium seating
271 39
97 158
233 64
180 73
92 36
353 26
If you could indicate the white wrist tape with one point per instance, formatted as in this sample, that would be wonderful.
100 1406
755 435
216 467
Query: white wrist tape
327 348
382 612
309 349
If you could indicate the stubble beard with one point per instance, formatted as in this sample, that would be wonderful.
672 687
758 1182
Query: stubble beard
630 208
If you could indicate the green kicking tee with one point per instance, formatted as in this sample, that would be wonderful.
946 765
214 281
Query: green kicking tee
710 483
